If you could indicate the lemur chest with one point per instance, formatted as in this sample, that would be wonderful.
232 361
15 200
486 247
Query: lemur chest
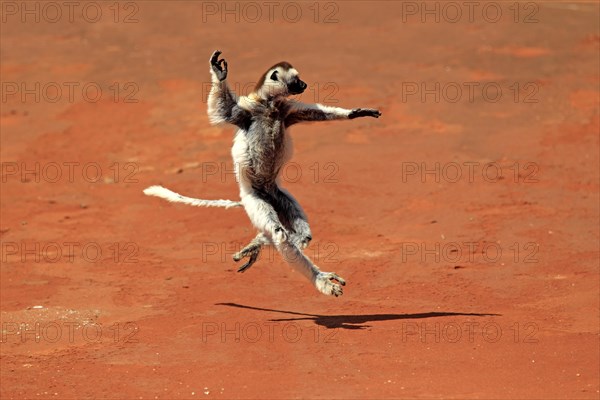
269 146
267 130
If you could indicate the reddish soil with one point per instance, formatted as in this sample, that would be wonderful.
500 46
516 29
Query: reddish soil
478 285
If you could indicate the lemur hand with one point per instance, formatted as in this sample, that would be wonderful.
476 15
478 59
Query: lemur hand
364 112
215 63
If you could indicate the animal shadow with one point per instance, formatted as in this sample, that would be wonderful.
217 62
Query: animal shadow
357 321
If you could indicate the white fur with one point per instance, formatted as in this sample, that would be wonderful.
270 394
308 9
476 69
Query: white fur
173 197
261 214
332 113
214 116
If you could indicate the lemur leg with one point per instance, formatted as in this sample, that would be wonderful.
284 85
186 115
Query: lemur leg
293 218
324 282
264 217
255 244
291 214
252 249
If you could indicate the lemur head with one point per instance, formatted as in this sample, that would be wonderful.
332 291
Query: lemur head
279 80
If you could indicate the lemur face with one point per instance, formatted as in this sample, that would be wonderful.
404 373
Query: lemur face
293 82
280 80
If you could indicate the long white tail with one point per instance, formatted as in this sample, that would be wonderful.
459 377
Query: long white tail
173 197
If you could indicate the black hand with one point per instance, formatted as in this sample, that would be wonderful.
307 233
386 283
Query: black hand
215 63
364 112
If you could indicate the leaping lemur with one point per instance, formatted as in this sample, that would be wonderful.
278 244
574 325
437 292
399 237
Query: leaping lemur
260 149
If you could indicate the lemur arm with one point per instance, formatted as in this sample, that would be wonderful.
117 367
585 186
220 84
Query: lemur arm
222 102
318 112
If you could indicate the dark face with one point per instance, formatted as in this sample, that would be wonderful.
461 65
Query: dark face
296 86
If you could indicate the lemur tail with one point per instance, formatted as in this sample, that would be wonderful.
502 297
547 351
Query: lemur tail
173 197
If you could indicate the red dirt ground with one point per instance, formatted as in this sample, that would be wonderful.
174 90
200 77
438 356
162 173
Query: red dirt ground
483 285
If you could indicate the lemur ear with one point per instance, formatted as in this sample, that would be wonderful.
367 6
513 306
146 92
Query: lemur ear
274 76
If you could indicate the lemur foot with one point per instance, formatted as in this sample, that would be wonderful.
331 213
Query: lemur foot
246 251
215 63
364 112
326 285
250 262
252 250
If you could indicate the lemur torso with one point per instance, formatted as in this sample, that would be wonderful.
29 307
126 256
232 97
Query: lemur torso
263 147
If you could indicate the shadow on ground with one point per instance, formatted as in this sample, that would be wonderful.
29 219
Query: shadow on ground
352 321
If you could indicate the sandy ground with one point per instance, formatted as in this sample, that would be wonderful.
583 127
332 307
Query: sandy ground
465 220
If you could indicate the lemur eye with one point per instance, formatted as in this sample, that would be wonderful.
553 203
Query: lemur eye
274 76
